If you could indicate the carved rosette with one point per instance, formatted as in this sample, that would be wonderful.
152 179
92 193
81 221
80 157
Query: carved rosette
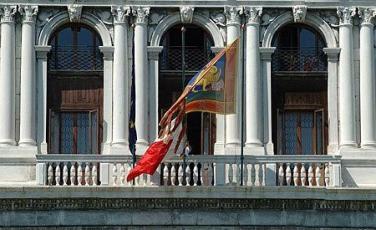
141 14
253 14
28 13
346 15
7 13
120 13
74 11
233 14
367 15
299 12
186 14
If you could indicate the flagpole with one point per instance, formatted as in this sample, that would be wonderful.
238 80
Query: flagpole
242 112
183 29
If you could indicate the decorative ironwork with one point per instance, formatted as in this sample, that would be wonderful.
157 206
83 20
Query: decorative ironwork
75 58
196 58
289 59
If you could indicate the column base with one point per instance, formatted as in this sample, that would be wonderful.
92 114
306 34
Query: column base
254 150
233 143
368 145
43 148
219 148
120 149
27 142
349 144
7 142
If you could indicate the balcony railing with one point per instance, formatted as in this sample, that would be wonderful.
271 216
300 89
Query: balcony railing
201 170
195 58
299 60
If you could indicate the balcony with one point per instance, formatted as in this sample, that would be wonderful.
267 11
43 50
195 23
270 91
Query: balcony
198 170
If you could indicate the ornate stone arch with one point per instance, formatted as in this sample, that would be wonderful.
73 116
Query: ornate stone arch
62 18
312 20
199 20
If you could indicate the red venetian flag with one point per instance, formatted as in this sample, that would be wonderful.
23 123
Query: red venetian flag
211 90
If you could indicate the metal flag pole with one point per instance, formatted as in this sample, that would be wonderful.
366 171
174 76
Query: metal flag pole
242 112
183 29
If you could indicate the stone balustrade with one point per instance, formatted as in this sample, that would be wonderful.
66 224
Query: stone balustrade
195 170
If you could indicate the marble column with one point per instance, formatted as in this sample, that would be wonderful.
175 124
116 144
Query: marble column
367 79
232 124
253 80
7 76
346 80
120 78
141 78
27 100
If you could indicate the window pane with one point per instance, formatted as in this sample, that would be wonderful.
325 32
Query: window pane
83 133
291 120
307 132
67 143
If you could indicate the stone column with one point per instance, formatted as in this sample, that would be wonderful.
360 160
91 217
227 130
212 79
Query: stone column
253 80
332 54
266 58
120 79
367 80
232 125
27 101
7 76
346 80
41 106
141 78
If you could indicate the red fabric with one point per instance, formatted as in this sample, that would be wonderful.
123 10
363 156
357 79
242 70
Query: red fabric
150 160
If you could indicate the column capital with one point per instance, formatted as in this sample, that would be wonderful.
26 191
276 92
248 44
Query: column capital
253 14
141 14
299 12
366 15
186 14
332 53
233 14
120 13
42 51
28 13
7 13
153 52
216 49
107 51
346 15
266 53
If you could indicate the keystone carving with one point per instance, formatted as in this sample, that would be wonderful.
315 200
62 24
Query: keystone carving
74 11
186 14
299 12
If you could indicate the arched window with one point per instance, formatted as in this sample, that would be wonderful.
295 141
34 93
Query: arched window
75 91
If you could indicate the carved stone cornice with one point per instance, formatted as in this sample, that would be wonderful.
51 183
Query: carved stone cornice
7 13
186 14
120 13
74 11
233 14
366 15
346 15
141 14
28 13
253 14
299 12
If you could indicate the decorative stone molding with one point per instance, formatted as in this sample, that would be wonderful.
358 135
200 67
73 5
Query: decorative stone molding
186 14
108 52
233 14
45 15
28 12
299 12
74 11
141 14
153 52
253 14
346 15
266 53
332 53
120 13
367 15
7 13
156 17
219 19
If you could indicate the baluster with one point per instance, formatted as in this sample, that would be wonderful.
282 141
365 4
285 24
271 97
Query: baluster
248 174
180 174
281 174
310 175
288 174
73 174
210 174
236 169
296 174
257 174
253 174
195 174
94 174
327 176
200 171
245 174
50 174
230 174
165 174
148 180
87 174
122 174
79 174
65 174
262 174
318 174
188 175
114 174
303 175
57 174
173 174
129 168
